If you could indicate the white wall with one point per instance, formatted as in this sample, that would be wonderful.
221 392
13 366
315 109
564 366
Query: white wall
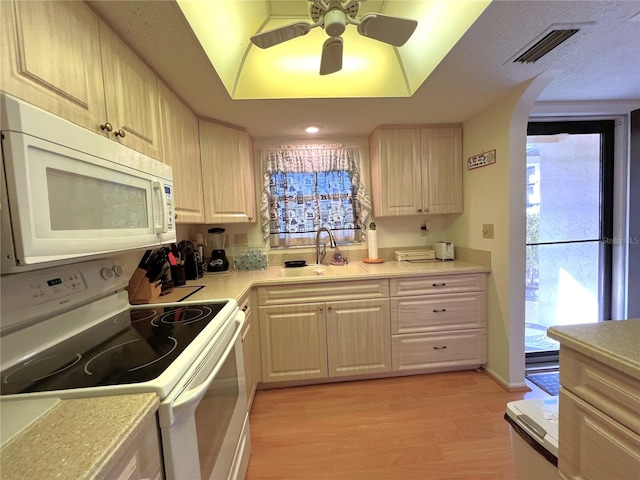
495 194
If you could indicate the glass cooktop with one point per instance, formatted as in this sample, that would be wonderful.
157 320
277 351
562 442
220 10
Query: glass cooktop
135 346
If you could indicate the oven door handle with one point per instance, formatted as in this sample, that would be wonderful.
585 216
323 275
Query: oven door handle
195 394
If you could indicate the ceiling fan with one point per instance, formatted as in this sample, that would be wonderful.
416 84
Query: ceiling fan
334 16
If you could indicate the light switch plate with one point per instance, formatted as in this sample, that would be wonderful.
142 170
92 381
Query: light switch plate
487 230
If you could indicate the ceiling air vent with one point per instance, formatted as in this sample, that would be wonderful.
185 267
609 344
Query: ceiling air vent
550 41
553 36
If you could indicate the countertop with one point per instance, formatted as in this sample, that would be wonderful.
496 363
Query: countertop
615 343
77 439
234 284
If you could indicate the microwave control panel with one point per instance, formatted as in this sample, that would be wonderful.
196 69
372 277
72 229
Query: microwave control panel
168 192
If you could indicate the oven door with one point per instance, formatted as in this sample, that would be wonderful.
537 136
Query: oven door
203 421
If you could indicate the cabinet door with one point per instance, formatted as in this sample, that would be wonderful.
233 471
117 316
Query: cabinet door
181 150
227 174
358 337
442 169
251 346
293 341
142 459
50 57
131 95
396 172
596 446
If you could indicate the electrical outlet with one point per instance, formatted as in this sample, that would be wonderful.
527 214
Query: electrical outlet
424 229
487 230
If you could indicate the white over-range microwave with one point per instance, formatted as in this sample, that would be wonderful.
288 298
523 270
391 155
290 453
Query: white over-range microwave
69 194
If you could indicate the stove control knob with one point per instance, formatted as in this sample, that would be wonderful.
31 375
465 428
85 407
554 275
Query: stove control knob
118 270
106 273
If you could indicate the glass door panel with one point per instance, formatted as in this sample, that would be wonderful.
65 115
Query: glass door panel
568 217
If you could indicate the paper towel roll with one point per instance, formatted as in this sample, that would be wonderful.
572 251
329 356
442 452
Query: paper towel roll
372 243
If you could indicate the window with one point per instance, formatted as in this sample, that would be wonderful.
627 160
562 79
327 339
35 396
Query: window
311 186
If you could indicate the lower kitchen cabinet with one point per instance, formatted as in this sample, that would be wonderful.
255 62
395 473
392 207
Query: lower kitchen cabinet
143 458
438 322
598 413
251 346
306 334
293 342
328 330
358 337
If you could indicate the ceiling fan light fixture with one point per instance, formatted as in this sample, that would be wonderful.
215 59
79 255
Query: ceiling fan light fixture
335 22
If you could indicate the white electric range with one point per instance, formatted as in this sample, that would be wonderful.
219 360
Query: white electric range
69 332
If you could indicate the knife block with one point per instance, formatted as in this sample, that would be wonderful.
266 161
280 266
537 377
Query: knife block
140 290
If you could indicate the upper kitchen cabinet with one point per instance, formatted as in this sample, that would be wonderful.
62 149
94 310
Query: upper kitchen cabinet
131 95
60 57
416 171
227 174
181 150
51 58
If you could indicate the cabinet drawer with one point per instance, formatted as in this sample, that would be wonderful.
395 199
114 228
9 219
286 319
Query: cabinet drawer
437 284
438 350
596 446
323 292
457 311
608 390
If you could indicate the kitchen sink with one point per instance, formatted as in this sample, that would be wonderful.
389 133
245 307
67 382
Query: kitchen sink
321 271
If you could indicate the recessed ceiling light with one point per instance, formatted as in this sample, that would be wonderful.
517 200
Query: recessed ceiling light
311 129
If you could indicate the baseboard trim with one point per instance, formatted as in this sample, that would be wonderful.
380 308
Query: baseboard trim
509 387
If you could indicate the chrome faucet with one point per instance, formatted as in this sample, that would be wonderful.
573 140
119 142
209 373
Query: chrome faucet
321 253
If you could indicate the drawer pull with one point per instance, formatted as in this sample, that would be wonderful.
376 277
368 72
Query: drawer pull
438 284
435 310
245 308
439 348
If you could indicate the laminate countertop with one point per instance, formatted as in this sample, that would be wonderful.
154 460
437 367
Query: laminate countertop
76 439
233 284
615 343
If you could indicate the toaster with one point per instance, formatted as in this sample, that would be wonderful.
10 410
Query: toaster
444 251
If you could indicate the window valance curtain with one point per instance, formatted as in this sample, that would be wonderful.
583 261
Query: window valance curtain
334 165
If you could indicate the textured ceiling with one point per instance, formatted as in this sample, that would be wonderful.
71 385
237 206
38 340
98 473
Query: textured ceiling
601 63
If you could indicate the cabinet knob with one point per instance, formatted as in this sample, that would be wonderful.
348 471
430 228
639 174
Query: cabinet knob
426 210
106 126
120 133
329 307
321 308
419 210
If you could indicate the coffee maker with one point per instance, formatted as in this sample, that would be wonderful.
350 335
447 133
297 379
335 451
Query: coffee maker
218 261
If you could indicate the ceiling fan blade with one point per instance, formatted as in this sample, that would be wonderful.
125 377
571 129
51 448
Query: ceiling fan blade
282 34
392 30
331 61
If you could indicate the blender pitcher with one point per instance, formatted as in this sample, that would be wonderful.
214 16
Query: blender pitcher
218 261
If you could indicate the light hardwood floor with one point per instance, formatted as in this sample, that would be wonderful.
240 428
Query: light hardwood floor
437 426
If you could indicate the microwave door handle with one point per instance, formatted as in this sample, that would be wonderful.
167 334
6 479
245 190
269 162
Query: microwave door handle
194 395
158 193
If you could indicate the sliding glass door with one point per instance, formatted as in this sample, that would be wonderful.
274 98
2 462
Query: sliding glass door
569 228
